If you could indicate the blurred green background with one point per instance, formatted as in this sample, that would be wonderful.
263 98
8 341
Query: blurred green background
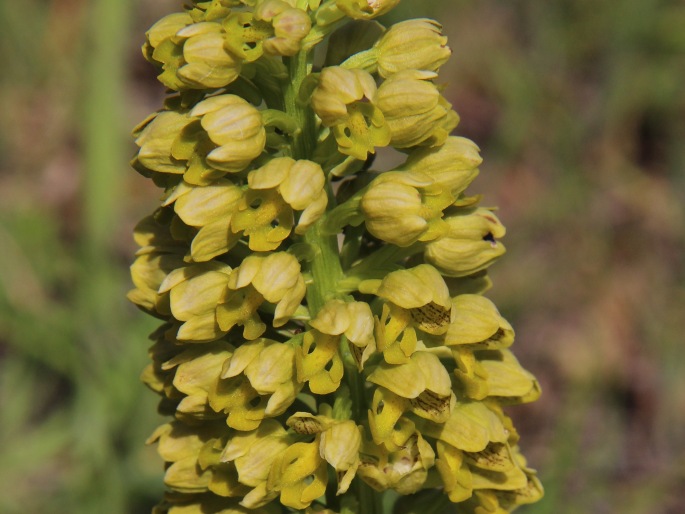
578 107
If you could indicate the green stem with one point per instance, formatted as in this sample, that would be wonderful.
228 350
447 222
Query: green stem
325 265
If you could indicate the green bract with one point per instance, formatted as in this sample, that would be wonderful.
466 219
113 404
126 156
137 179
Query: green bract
322 342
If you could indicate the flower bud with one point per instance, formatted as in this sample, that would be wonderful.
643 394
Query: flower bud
156 137
290 26
236 127
414 109
412 45
208 64
253 454
452 166
470 245
365 9
402 208
195 292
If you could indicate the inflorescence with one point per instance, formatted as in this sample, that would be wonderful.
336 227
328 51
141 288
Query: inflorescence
324 339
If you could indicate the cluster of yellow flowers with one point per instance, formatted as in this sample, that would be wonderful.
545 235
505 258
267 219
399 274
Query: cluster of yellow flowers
319 317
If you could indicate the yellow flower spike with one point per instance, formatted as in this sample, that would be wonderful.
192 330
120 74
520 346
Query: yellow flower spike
253 454
236 127
339 445
299 473
454 472
265 218
344 100
412 45
470 244
452 166
477 322
245 244
414 109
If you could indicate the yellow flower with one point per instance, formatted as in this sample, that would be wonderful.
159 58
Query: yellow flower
414 298
274 278
210 208
404 207
196 371
155 137
158 256
274 28
235 126
253 453
256 382
477 323
452 166
339 445
290 26
344 100
299 474
470 244
265 212
339 442
405 470
412 45
421 385
365 9
195 292
206 63
414 109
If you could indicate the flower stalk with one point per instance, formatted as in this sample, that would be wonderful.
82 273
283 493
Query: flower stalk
325 346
